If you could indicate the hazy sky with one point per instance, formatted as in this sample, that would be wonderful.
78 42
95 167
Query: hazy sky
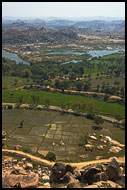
63 9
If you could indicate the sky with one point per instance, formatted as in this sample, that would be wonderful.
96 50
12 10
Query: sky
63 9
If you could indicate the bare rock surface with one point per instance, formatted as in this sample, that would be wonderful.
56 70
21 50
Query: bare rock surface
68 177
113 170
109 174
115 149
93 137
29 166
18 170
89 175
89 147
74 184
23 181
59 170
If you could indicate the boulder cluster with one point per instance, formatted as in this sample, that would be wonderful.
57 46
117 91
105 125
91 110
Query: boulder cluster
108 175
23 174
104 141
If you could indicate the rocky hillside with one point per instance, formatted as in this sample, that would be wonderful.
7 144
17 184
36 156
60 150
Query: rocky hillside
23 173
21 32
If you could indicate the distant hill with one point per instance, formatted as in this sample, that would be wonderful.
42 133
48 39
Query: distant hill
101 25
92 23
21 32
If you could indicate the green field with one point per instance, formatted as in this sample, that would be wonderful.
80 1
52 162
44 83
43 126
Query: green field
9 82
57 99
43 128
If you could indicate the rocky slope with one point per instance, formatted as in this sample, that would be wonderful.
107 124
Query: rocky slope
21 32
23 173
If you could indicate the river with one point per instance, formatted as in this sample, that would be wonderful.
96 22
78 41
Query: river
13 56
93 53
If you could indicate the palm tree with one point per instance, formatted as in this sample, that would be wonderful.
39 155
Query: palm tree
20 99
48 100
33 98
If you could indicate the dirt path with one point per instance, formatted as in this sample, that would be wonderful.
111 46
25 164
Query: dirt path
78 92
48 163
56 108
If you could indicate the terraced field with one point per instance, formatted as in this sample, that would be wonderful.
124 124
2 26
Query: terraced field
45 131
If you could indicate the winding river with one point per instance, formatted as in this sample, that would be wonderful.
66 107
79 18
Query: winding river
13 56
93 53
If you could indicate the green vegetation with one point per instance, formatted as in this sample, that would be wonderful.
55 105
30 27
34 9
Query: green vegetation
57 80
50 156
9 82
57 99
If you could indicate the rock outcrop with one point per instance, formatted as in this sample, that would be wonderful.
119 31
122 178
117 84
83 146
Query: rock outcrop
23 181
59 170
23 174
113 170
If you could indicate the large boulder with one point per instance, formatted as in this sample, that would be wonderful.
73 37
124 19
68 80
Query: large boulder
104 184
113 170
68 177
93 137
69 168
91 186
89 147
17 147
115 149
29 166
59 170
18 170
23 181
77 174
107 138
100 177
89 175
74 184
45 177
116 143
3 134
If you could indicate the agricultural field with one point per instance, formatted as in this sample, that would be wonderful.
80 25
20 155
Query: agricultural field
10 82
66 61
57 99
59 133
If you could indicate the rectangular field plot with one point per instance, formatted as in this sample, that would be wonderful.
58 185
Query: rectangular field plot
9 128
8 119
27 140
61 118
39 121
21 131
38 131
49 136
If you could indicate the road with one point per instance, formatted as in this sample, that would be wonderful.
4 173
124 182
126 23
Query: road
78 165
56 108
73 91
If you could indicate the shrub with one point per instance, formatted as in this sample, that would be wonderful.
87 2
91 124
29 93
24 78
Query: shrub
90 116
27 150
50 156
9 106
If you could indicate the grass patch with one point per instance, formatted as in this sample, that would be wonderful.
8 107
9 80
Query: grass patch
57 99
12 82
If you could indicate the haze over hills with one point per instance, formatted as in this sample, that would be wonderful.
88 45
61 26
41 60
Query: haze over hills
65 18
91 23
